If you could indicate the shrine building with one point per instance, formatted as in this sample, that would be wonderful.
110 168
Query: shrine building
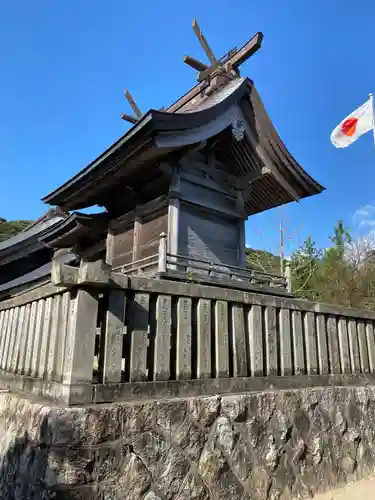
176 188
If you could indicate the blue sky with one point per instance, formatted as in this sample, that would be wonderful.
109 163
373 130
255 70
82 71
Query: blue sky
65 63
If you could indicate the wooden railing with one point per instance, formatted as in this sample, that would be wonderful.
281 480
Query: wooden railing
154 337
172 331
39 340
210 269
140 266
164 263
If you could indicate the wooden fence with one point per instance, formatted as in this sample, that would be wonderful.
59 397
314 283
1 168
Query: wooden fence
143 333
181 331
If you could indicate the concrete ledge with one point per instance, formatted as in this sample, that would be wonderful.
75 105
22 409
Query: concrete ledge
83 394
105 393
55 392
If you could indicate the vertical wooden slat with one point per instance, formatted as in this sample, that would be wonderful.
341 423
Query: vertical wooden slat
271 340
221 339
80 341
344 345
285 343
322 344
183 362
362 343
30 338
3 315
163 337
23 341
310 344
46 326
7 339
54 334
370 345
353 346
239 342
16 351
61 341
299 361
40 313
333 345
9 360
114 330
139 338
4 334
256 340
204 338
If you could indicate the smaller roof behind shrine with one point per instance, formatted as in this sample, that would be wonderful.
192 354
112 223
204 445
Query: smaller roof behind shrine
29 235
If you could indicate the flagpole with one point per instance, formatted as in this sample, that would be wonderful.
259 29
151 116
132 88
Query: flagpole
371 96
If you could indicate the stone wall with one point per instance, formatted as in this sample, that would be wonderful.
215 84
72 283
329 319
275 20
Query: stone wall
270 445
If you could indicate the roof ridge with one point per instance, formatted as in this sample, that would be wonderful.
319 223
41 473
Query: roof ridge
51 212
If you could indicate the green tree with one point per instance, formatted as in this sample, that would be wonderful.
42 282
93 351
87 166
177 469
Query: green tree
305 264
11 228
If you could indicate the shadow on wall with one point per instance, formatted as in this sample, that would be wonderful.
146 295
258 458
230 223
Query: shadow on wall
23 470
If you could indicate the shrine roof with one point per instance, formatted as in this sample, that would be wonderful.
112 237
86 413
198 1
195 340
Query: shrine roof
199 118
74 228
30 234
34 277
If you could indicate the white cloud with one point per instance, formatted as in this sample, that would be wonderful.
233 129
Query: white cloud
365 212
364 228
367 222
364 219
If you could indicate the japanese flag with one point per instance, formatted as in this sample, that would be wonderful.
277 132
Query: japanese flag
353 126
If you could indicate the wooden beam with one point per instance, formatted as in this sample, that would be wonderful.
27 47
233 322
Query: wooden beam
194 92
268 162
202 39
129 118
195 64
89 273
245 52
242 183
64 275
132 103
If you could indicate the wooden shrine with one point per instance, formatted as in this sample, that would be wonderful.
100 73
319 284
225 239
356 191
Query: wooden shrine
177 187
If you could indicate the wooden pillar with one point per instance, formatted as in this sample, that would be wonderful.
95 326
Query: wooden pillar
162 259
80 341
109 248
240 206
288 277
241 244
173 219
174 211
137 237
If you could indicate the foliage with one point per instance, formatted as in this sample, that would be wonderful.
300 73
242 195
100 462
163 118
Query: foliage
262 260
342 274
11 228
305 270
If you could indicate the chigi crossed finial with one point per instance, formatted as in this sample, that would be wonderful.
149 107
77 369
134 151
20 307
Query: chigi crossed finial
228 64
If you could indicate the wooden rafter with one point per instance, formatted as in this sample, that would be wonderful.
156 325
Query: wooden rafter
229 63
205 46
138 114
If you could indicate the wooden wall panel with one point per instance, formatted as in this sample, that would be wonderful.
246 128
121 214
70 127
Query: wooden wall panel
123 247
150 233
209 238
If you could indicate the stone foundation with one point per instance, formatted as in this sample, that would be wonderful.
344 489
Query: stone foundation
270 445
